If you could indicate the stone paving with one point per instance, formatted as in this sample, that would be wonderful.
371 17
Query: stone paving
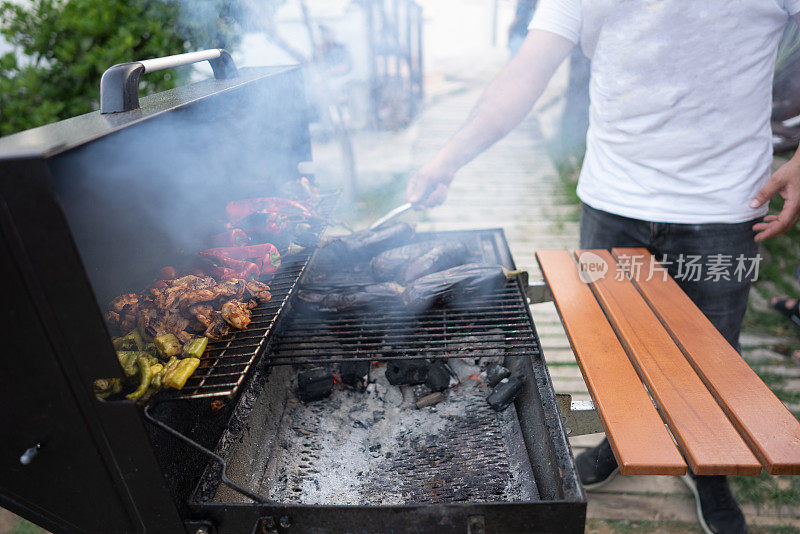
513 185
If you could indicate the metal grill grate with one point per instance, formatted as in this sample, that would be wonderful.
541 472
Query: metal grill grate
497 321
386 331
226 362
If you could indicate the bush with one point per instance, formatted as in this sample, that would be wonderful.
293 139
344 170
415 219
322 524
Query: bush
62 48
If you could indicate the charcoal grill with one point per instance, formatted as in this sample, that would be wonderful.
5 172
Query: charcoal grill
92 207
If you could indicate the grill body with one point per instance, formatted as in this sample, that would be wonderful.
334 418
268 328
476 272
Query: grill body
92 207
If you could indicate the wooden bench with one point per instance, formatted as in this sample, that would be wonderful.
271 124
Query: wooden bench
637 338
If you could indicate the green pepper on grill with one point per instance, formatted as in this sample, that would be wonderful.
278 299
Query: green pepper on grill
143 368
127 359
106 387
168 345
195 347
176 375
131 341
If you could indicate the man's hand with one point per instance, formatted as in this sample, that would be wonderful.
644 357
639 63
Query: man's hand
786 182
429 186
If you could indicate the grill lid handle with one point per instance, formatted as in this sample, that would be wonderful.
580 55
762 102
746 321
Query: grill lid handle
119 86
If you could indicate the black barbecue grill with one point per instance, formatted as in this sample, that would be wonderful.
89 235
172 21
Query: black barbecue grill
93 206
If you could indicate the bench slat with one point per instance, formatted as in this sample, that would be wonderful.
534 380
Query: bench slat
709 442
638 437
772 432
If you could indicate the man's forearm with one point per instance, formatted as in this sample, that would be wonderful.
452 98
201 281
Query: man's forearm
507 99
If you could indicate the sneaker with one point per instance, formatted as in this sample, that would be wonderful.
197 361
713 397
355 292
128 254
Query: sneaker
597 466
717 510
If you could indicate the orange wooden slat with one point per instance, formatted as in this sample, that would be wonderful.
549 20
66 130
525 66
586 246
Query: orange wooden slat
772 432
640 441
708 440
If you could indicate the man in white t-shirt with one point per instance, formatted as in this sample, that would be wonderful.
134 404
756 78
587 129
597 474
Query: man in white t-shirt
678 150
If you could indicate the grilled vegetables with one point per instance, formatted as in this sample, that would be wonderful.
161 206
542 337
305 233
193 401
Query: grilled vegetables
406 264
195 348
177 372
348 298
168 345
452 285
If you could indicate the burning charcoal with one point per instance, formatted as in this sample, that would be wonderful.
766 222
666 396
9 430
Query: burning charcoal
440 376
314 384
495 373
504 393
407 372
355 374
430 400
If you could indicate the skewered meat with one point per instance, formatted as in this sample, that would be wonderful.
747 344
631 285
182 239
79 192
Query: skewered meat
236 314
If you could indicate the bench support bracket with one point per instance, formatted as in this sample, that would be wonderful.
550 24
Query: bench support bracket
580 417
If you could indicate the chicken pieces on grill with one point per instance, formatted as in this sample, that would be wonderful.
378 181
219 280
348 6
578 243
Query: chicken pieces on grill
188 305
258 290
236 313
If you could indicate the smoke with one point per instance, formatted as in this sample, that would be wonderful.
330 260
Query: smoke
149 195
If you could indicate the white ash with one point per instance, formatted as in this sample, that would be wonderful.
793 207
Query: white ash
376 448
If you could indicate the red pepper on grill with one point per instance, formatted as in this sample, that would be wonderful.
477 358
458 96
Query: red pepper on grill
239 209
232 238
260 225
247 262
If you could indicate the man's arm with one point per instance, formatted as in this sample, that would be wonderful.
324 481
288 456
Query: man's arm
504 103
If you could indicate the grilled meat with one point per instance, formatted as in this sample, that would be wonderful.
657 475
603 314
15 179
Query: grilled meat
258 290
194 296
123 300
236 314
186 305
203 313
231 289
217 328
112 318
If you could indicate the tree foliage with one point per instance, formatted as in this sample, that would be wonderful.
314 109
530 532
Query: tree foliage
62 47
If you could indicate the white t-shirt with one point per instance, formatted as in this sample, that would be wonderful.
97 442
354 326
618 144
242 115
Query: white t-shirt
681 96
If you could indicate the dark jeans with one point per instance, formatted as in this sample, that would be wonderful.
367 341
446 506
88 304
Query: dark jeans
722 301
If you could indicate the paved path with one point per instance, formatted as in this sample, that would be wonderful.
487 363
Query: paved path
513 185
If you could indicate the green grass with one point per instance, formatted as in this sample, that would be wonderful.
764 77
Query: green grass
624 526
26 527
777 490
